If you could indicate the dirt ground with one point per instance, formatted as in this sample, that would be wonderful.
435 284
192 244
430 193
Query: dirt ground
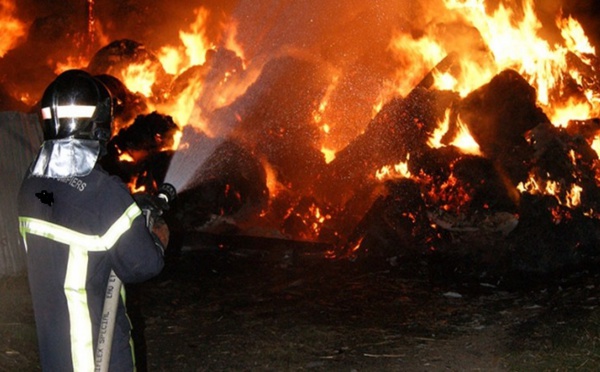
282 310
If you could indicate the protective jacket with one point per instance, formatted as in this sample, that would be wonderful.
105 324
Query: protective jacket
76 230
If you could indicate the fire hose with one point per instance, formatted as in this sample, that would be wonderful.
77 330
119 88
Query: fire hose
167 193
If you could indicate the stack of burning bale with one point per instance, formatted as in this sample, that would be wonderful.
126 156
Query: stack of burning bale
479 211
478 218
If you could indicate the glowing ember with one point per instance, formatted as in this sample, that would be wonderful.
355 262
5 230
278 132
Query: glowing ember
356 246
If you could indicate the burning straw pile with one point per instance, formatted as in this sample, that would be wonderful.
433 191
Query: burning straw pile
438 143
525 200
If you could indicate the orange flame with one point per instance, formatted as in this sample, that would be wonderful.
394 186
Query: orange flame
327 148
71 62
515 43
232 44
512 37
195 42
126 157
273 185
435 140
329 154
133 186
570 198
11 28
399 170
183 107
465 141
139 78
192 52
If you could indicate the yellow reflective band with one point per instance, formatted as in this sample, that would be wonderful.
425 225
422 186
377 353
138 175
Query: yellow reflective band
70 111
82 348
23 237
76 239
121 225
82 342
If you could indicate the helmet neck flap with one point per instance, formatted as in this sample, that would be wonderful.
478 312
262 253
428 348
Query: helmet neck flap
68 157
77 119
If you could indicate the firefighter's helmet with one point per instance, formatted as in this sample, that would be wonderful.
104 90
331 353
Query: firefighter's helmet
77 105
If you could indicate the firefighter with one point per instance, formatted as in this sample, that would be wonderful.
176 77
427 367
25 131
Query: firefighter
78 223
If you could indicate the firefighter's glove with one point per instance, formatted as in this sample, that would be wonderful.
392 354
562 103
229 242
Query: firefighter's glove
152 203
160 233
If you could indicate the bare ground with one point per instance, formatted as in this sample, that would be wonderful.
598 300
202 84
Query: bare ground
257 310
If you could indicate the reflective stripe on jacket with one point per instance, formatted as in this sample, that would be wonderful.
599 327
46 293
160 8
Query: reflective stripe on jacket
76 231
82 345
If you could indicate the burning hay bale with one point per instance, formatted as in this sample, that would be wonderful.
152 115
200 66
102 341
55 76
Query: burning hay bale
551 159
403 126
140 153
498 115
450 205
551 238
396 225
475 185
586 129
480 209
275 121
130 59
208 78
228 188
565 165
127 105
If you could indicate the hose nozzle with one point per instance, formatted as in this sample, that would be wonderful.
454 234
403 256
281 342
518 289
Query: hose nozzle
167 192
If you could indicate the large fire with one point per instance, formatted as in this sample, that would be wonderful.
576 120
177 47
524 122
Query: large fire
201 80
13 29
